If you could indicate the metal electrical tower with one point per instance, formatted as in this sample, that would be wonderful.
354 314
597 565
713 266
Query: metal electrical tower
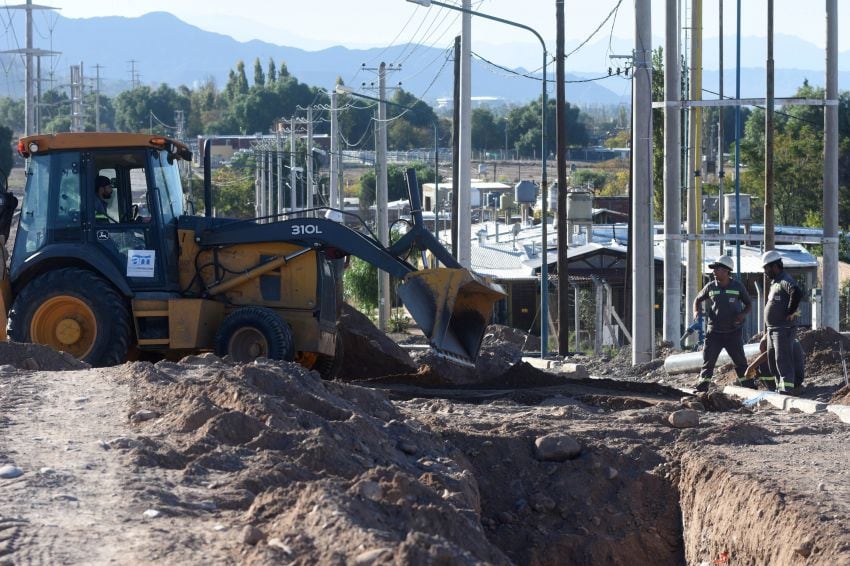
29 82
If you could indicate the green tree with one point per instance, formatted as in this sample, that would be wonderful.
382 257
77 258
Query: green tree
233 194
658 134
259 76
12 113
237 83
396 183
523 127
485 132
6 156
272 73
143 109
588 177
360 284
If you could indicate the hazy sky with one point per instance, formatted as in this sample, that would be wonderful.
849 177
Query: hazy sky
315 24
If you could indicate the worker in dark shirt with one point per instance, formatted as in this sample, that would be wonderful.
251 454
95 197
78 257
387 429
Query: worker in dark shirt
783 298
763 369
728 304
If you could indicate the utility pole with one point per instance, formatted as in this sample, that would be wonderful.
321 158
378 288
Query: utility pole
769 217
381 213
278 145
334 173
270 170
561 161
455 147
308 161
672 179
464 218
830 172
77 98
179 121
643 263
694 260
259 181
97 69
293 179
721 173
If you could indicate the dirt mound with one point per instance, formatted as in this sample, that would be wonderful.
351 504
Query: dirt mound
38 357
324 470
842 396
368 352
823 350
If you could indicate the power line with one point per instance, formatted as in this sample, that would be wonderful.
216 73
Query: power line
527 76
608 17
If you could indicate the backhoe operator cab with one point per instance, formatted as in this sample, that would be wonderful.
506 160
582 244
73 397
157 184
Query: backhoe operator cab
107 265
76 262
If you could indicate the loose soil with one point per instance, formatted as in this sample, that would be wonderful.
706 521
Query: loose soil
204 461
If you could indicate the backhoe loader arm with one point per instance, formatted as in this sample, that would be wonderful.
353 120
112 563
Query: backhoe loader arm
311 232
451 305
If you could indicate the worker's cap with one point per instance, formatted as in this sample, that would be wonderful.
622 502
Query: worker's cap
769 257
102 181
723 261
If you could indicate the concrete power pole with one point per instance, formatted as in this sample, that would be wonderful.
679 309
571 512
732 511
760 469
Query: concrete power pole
308 161
270 171
464 219
259 181
293 178
29 102
672 179
97 69
769 216
643 263
381 213
278 145
830 172
335 200
77 80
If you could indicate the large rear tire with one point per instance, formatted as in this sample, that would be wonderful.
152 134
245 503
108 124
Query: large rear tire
254 332
76 311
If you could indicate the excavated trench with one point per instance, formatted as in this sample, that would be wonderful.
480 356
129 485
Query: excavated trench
629 500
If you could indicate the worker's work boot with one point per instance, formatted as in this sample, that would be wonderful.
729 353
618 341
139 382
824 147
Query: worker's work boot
748 383
702 386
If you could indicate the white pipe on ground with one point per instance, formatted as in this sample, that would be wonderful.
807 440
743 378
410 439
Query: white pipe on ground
692 361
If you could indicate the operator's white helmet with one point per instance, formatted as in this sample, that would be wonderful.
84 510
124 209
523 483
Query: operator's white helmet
723 261
770 257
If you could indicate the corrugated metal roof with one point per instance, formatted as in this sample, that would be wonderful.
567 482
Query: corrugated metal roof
501 260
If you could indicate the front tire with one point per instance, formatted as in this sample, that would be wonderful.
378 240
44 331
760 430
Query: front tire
254 332
76 311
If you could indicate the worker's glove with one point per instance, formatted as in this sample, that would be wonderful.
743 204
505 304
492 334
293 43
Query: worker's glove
750 373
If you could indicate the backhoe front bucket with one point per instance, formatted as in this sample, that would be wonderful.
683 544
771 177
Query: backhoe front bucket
452 307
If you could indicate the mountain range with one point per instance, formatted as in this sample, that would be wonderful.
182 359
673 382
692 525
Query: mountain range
160 48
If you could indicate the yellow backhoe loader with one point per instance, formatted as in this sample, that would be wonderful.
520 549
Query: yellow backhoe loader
111 275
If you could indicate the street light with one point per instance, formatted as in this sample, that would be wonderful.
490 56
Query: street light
544 266
342 89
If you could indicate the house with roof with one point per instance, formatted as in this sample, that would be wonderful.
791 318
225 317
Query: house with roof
599 257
